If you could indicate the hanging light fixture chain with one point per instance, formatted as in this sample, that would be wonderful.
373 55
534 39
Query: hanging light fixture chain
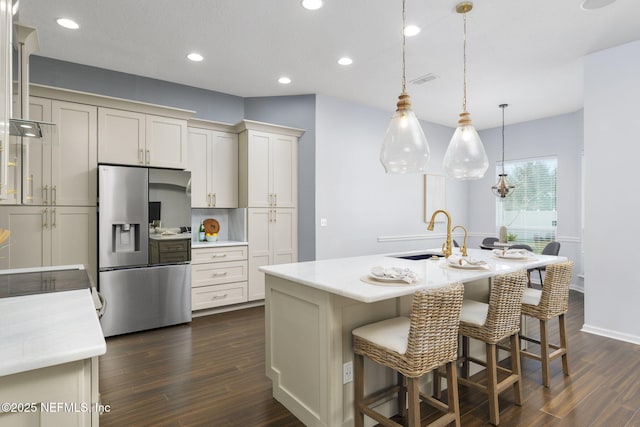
503 107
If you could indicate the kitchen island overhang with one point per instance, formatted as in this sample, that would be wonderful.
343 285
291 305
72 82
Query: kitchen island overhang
312 307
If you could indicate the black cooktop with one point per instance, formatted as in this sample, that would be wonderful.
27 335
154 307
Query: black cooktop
19 284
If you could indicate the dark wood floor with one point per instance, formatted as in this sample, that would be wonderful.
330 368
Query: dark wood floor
211 373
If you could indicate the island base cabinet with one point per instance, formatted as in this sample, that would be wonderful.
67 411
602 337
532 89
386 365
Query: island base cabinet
308 339
63 395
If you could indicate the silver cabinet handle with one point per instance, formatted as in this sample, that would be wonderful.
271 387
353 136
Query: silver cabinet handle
54 194
215 199
141 156
275 199
45 194
53 218
148 157
30 180
224 273
209 199
219 255
45 225
220 296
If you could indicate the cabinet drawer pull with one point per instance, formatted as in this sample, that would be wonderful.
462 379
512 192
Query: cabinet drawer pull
45 194
53 218
45 225
220 296
215 199
218 255
275 199
141 156
208 199
54 194
223 273
148 158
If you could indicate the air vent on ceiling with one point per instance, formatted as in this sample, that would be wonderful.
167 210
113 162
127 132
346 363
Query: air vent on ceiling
423 79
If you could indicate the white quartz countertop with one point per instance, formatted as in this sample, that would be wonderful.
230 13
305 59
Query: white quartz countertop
342 276
42 330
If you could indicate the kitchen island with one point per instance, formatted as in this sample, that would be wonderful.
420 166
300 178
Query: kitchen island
312 307
51 339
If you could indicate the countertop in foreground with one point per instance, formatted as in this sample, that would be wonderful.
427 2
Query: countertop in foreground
37 331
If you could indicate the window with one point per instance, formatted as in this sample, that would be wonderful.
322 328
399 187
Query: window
530 212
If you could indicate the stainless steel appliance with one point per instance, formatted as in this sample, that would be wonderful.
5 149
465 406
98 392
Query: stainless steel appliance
141 292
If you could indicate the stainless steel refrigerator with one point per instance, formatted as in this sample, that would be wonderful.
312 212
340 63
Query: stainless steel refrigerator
141 294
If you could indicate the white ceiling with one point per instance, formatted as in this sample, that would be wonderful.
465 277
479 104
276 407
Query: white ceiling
524 53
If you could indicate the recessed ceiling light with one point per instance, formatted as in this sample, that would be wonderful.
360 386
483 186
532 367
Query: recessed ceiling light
345 61
312 4
595 4
68 23
411 30
284 80
195 57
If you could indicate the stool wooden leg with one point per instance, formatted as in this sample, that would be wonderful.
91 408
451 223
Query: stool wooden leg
465 354
452 390
516 368
544 353
414 402
437 387
492 384
564 344
358 395
402 395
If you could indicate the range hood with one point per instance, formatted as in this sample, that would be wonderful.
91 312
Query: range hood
29 128
20 125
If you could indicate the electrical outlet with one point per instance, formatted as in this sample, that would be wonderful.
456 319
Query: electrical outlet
347 373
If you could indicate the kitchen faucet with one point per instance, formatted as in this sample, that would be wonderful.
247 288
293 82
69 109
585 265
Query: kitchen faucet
447 246
464 243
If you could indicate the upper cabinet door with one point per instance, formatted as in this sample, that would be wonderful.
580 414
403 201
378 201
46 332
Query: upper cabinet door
284 175
121 137
224 169
74 158
36 159
199 141
166 142
258 170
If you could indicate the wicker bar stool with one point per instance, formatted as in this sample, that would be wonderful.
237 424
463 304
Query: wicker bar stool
551 301
412 347
492 323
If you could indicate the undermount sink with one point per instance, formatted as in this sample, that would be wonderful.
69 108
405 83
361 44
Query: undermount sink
423 255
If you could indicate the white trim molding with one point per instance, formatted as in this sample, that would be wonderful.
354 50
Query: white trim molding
620 336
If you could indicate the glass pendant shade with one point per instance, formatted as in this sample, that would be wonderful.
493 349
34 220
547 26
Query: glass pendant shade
502 188
465 158
405 148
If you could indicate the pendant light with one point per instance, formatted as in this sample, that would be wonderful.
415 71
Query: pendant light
405 148
502 188
465 157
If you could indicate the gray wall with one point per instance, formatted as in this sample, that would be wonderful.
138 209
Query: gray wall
299 112
209 105
611 153
367 210
560 136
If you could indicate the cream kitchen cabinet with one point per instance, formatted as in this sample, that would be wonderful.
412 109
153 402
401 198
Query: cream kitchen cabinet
133 138
62 171
49 235
6 29
218 276
268 169
213 161
273 239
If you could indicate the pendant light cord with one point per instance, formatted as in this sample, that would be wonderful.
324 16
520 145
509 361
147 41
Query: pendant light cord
464 60
404 78
503 107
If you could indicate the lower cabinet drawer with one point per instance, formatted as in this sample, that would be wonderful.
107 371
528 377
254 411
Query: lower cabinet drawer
218 273
218 295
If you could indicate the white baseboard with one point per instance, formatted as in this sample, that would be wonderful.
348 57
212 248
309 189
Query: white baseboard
620 336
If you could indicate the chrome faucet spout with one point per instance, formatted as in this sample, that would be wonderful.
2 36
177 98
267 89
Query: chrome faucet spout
447 246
